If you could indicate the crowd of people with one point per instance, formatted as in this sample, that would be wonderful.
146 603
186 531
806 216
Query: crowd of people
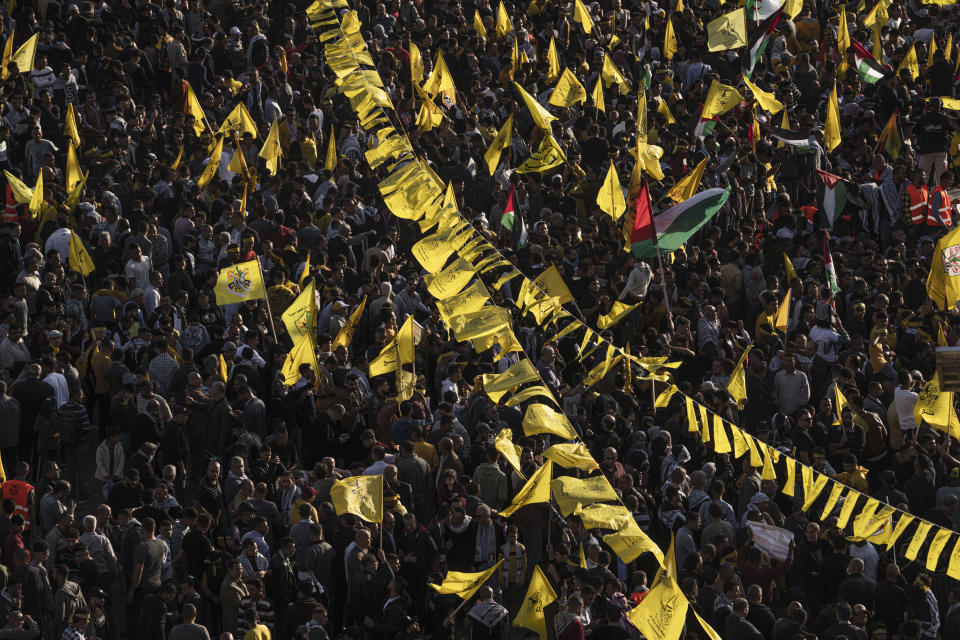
163 480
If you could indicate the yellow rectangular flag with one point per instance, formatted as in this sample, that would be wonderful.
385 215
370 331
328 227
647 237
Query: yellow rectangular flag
729 31
687 186
224 371
720 99
271 151
496 385
346 332
618 312
300 318
539 418
213 165
194 109
303 352
360 495
239 282
24 56
79 259
464 584
572 455
943 281
539 595
572 493
70 126
536 489
831 128
510 451
239 120
503 140
74 175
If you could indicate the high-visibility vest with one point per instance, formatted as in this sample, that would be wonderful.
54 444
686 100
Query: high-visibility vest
10 207
919 203
945 214
19 492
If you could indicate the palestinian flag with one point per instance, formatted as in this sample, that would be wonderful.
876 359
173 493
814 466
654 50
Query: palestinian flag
512 220
758 10
762 37
643 232
869 68
678 223
705 127
799 140
834 195
829 271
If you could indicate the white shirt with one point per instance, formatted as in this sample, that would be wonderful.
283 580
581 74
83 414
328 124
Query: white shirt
59 241
139 272
905 401
637 282
60 389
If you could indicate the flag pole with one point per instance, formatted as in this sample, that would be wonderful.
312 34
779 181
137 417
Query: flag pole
266 298
656 242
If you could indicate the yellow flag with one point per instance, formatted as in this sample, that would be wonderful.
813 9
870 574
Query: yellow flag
568 91
783 314
330 158
541 116
729 31
36 199
536 489
441 82
785 125
478 25
210 171
843 42
572 455
663 611
360 495
831 128
7 55
23 56
630 543
910 63
935 407
429 116
932 49
597 95
416 64
720 99
504 24
178 159
539 418
539 595
510 452
496 385
224 372
464 584
73 198
765 99
79 258
300 318
553 61
793 8
303 352
239 282
503 140
737 386
346 332
611 75
669 40
581 15
890 137
610 198
547 156
271 151
618 312
687 186
572 493
948 48
664 110
239 120
74 175
552 283
583 564
194 109
605 516
788 265
70 126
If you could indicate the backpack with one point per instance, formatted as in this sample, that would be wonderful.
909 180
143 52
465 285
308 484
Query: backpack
67 425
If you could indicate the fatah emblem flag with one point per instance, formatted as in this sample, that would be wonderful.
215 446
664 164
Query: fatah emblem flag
729 31
663 611
239 282
539 595
465 584
360 495
300 317
943 283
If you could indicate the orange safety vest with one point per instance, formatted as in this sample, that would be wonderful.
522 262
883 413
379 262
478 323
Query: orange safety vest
19 492
919 203
944 211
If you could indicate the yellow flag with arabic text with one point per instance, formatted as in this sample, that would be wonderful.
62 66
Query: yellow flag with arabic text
535 490
464 584
360 495
539 595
